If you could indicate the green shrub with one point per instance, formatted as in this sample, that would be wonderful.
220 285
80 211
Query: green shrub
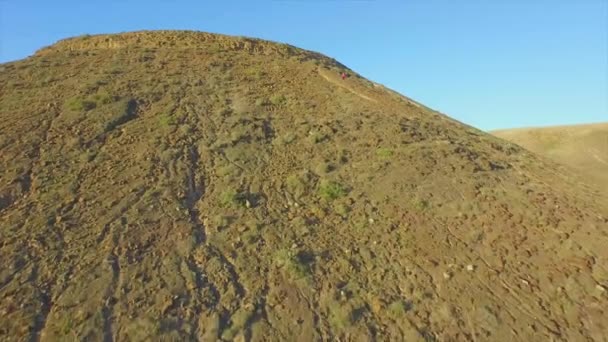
289 138
261 102
398 308
277 99
78 104
420 204
341 209
254 73
221 221
239 133
125 112
252 233
293 264
168 155
228 170
340 315
324 168
104 98
384 152
251 236
329 190
317 137
238 321
231 198
167 120
295 185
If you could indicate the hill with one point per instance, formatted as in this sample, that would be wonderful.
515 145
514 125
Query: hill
584 148
189 186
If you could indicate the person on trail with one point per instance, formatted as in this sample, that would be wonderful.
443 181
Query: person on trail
343 75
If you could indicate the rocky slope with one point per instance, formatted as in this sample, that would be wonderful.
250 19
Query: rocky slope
189 186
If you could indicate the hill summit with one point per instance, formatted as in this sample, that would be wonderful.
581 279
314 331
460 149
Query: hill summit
191 186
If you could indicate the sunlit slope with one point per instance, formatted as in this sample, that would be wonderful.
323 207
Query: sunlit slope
186 186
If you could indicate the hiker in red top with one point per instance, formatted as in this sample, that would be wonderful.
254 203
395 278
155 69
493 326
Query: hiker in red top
343 75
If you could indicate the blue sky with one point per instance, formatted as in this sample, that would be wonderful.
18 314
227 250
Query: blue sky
490 64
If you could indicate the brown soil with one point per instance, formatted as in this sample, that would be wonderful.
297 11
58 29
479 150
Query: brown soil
189 186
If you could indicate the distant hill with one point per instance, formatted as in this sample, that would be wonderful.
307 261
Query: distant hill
184 186
581 147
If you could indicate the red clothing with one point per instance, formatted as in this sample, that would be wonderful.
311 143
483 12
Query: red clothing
343 75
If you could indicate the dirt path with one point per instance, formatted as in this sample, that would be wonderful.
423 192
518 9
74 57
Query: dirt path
593 153
343 84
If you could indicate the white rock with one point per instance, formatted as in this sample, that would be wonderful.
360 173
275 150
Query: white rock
470 268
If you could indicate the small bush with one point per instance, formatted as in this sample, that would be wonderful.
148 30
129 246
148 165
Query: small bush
421 204
116 69
67 326
384 152
231 198
324 168
342 209
340 315
78 104
169 155
88 156
261 102
124 113
239 133
295 185
252 233
254 73
167 120
181 116
317 137
238 321
104 98
185 130
251 236
289 138
293 264
399 308
221 221
277 99
329 190
342 156
228 170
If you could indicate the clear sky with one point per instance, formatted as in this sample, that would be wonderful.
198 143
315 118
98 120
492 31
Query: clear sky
491 64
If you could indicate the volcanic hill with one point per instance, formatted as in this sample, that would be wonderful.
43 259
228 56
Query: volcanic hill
176 186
